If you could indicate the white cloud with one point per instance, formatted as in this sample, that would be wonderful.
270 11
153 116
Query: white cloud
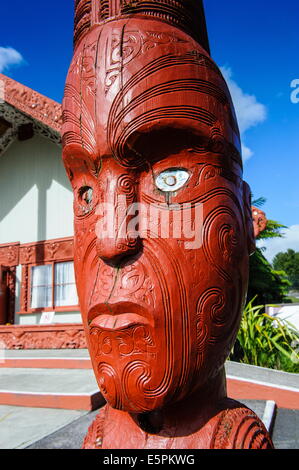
9 57
248 110
276 245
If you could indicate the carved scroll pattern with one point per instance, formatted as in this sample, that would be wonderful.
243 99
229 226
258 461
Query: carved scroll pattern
122 49
218 316
9 255
118 133
56 337
41 252
138 374
78 116
11 284
82 18
240 428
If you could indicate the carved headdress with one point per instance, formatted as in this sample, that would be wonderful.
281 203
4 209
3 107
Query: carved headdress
187 15
141 67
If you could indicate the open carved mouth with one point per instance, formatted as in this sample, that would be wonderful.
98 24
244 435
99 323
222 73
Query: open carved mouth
113 317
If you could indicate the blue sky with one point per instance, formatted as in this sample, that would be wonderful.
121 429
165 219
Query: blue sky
255 42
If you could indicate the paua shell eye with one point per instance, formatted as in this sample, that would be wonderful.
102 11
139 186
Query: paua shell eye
172 180
86 194
84 203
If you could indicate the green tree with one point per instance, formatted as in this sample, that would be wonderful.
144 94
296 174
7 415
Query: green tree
288 262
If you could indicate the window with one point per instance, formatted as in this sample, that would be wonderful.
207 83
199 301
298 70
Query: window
53 286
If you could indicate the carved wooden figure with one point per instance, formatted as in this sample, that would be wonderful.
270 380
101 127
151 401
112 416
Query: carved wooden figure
163 225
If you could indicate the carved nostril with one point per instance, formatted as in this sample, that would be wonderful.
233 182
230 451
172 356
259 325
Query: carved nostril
115 251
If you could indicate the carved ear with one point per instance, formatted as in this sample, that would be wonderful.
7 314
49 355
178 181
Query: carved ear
259 221
248 218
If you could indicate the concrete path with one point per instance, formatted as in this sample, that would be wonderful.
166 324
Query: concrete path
72 435
61 379
20 427
45 427
48 380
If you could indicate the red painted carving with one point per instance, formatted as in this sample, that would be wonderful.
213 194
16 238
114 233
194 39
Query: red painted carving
11 285
148 120
44 251
9 259
32 103
9 254
259 221
24 289
69 336
3 297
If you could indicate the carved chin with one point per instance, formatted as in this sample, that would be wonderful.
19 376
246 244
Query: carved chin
134 374
124 361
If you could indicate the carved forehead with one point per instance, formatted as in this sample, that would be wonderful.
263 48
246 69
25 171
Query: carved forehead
128 78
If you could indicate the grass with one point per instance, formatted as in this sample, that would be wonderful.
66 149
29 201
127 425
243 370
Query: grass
293 300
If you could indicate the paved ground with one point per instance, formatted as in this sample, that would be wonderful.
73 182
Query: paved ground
68 437
286 429
19 427
48 380
45 353
43 428
285 433
40 428
269 376
71 436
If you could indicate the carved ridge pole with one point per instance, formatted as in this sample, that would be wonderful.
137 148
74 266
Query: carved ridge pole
148 122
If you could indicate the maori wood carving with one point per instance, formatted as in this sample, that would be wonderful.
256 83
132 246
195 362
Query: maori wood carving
43 337
23 107
149 121
9 259
41 252
50 250
9 254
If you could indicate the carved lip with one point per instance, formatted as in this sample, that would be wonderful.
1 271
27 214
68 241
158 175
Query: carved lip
118 316
118 322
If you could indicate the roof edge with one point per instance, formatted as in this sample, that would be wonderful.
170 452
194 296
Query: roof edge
28 101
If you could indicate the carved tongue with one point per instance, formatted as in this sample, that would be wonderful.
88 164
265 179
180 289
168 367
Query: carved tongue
116 322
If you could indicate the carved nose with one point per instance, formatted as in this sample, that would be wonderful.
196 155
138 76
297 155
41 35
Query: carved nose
115 251
117 235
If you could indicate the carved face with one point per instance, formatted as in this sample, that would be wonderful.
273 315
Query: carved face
148 120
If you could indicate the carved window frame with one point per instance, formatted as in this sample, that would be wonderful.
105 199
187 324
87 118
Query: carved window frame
53 307
39 254
9 259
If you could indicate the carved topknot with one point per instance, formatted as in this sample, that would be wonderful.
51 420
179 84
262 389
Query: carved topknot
187 15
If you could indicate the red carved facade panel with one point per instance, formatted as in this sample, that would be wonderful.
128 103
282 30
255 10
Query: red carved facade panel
9 259
9 254
43 337
43 252
50 250
32 103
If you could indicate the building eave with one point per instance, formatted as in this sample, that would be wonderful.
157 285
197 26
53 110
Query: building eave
35 105
25 112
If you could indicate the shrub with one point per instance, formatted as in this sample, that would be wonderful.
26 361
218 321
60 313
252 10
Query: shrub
266 341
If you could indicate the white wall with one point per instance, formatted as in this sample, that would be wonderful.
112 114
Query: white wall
36 203
36 198
59 318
